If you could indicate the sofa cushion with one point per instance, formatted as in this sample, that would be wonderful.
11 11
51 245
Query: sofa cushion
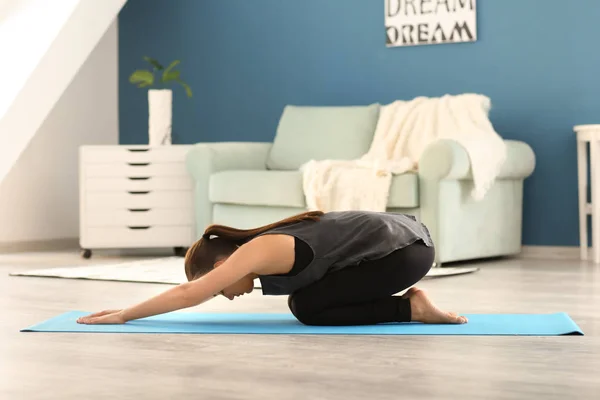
257 188
318 133
404 191
284 189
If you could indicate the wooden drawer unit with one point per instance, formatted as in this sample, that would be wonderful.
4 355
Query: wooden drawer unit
135 197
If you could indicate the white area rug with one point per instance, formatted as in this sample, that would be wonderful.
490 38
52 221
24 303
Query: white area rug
165 270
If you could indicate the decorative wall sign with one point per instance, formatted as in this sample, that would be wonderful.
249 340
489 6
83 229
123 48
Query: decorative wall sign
419 22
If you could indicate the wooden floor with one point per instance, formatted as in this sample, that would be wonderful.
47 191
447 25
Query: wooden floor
103 366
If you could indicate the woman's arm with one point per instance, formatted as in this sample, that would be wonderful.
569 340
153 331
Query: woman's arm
252 257
193 293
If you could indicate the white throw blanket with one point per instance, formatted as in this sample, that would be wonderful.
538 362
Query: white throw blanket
404 130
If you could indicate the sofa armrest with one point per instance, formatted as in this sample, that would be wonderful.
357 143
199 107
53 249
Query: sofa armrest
447 159
207 158
489 227
204 159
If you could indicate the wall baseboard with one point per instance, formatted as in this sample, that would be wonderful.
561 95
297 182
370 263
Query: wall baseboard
550 252
40 245
527 252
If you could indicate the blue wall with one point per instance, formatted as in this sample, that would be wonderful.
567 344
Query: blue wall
538 61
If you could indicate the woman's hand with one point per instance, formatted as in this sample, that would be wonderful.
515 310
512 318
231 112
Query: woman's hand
108 317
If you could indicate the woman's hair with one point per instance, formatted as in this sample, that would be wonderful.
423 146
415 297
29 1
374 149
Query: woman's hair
219 242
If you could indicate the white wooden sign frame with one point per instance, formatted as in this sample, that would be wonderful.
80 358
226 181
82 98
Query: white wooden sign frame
423 22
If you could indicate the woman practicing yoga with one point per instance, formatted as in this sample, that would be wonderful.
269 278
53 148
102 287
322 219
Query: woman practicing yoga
338 268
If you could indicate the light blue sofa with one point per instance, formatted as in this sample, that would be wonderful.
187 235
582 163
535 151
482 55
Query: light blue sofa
249 184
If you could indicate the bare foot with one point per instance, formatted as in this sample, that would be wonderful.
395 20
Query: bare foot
423 310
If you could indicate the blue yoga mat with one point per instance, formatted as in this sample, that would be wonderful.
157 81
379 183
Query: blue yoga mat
182 322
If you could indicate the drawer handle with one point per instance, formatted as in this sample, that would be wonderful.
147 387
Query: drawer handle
138 209
139 227
138 150
139 164
140 192
138 178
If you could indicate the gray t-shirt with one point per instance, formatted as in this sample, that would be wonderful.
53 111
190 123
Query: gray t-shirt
343 239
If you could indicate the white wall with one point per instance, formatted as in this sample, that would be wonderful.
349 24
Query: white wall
39 197
60 36
19 18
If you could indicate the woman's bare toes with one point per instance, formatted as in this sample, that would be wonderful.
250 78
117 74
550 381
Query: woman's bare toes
423 310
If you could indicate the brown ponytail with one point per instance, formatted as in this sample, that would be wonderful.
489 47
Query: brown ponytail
219 242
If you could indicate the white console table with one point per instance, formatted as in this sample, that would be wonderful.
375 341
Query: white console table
135 197
588 134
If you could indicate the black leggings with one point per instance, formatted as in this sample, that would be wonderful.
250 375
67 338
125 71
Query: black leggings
364 294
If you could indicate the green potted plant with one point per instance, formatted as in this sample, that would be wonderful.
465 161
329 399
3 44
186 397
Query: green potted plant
158 80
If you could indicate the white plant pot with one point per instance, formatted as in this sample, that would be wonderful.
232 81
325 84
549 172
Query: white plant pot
160 114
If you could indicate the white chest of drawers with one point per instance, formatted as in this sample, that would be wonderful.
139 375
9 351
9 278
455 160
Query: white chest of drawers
135 197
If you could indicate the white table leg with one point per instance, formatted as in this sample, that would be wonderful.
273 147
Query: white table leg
582 164
595 183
